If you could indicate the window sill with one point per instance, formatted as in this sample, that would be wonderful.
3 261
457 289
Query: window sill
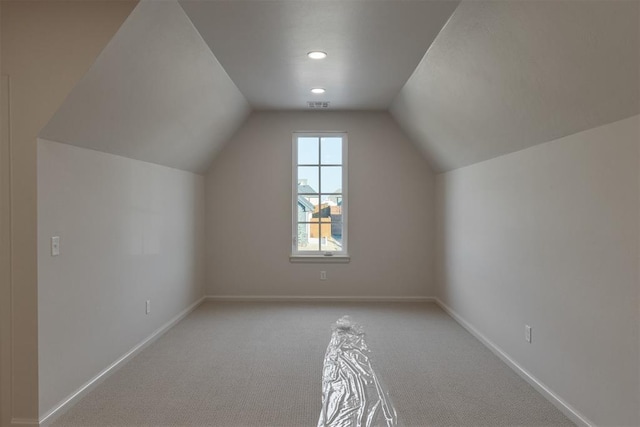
320 259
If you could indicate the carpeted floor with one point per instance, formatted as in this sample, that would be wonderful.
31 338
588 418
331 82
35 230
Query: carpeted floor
260 364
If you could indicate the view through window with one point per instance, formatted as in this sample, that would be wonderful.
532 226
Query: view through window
319 193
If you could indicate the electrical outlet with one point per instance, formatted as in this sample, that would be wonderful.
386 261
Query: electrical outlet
323 275
148 306
527 333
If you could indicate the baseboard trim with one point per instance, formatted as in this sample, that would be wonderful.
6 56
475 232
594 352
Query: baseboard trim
295 298
66 403
24 422
573 414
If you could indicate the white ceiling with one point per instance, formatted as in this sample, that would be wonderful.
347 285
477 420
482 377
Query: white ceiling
506 75
499 77
155 93
373 46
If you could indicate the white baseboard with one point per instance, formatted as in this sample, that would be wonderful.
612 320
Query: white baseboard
559 403
295 298
24 422
66 403
70 400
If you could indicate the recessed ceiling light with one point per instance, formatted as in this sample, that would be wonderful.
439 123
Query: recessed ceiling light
316 54
317 90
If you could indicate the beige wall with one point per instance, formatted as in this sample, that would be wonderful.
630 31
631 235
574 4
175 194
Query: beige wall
130 231
548 237
46 48
5 264
248 211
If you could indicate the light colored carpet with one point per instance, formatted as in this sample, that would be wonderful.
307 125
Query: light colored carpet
260 364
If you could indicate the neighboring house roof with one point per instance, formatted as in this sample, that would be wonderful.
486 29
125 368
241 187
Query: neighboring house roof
305 203
306 189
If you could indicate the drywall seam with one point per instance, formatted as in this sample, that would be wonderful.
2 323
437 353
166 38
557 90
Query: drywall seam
552 397
70 400
294 298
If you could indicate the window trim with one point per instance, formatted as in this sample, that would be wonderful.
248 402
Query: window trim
319 256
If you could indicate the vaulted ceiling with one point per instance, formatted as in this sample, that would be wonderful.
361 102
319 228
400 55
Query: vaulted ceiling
155 93
506 75
466 81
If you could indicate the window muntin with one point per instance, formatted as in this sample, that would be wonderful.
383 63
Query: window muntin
319 194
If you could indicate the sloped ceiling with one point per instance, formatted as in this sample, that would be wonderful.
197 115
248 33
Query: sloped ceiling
500 76
505 75
156 93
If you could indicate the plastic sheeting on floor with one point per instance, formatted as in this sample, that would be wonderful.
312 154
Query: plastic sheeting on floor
352 394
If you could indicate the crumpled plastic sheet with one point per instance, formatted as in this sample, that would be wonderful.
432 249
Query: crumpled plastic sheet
352 394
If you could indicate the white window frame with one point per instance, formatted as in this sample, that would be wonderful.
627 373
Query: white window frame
319 256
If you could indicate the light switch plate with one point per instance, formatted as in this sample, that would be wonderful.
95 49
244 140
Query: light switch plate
55 246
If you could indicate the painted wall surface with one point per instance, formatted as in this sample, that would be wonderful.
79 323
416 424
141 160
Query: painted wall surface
248 211
548 237
5 263
130 231
46 48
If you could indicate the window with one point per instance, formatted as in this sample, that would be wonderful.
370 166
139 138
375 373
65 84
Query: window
319 195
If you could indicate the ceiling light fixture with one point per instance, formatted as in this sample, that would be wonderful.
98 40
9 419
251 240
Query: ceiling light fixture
316 54
317 90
